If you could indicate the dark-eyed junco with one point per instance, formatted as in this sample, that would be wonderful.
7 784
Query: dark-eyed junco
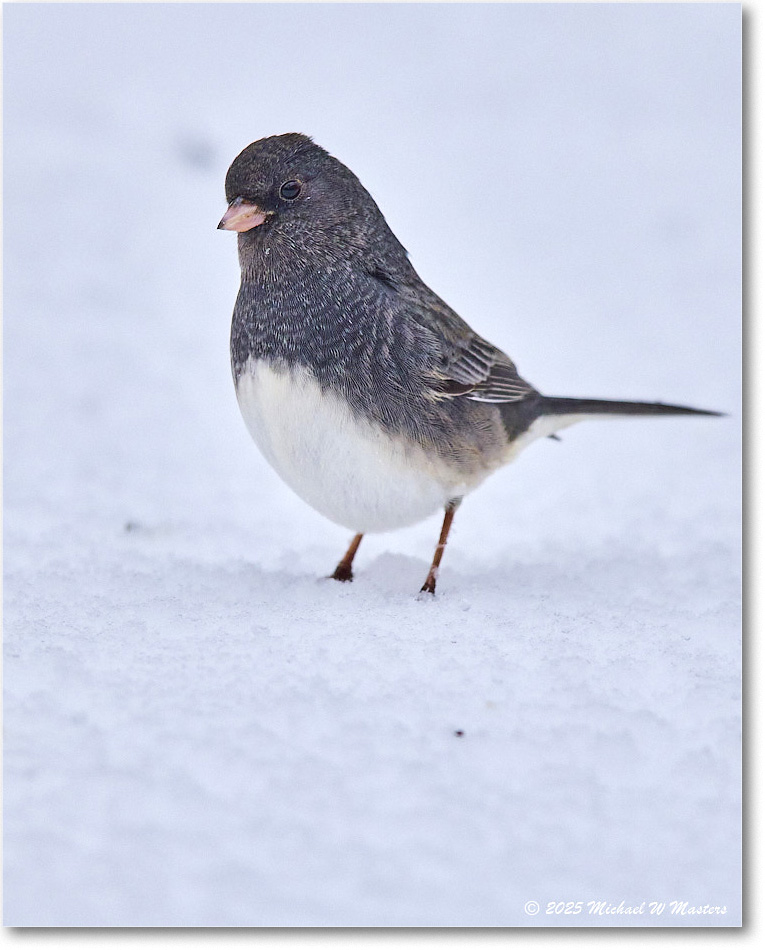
372 399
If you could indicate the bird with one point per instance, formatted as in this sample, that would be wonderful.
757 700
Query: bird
372 399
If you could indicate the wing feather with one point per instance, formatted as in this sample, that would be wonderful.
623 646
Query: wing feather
484 374
464 364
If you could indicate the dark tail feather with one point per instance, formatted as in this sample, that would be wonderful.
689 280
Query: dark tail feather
562 406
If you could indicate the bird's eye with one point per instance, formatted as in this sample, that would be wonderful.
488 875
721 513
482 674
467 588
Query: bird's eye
290 189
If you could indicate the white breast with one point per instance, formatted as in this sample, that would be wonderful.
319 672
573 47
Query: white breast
350 471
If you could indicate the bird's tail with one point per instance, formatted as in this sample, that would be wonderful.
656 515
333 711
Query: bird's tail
563 406
527 420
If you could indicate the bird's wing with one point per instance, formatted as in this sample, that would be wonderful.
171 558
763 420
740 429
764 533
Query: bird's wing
481 372
469 366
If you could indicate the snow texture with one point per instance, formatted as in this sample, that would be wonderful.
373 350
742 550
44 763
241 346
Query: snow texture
202 731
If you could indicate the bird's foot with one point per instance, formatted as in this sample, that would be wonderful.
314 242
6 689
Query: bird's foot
342 573
429 587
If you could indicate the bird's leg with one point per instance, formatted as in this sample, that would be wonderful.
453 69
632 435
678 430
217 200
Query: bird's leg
429 587
343 570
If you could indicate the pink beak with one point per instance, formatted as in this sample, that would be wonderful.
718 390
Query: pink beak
242 216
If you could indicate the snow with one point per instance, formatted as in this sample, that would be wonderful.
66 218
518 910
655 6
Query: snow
199 729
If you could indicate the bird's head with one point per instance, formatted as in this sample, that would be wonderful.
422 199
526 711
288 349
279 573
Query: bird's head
287 190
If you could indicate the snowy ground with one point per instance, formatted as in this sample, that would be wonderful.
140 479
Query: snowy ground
200 731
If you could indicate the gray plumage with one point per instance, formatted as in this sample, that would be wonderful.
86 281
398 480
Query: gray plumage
327 288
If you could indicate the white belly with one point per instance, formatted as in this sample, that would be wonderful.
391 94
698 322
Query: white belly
350 471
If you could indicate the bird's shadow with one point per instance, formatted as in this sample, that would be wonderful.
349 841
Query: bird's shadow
305 579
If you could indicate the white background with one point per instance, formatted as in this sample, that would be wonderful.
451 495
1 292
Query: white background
198 730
